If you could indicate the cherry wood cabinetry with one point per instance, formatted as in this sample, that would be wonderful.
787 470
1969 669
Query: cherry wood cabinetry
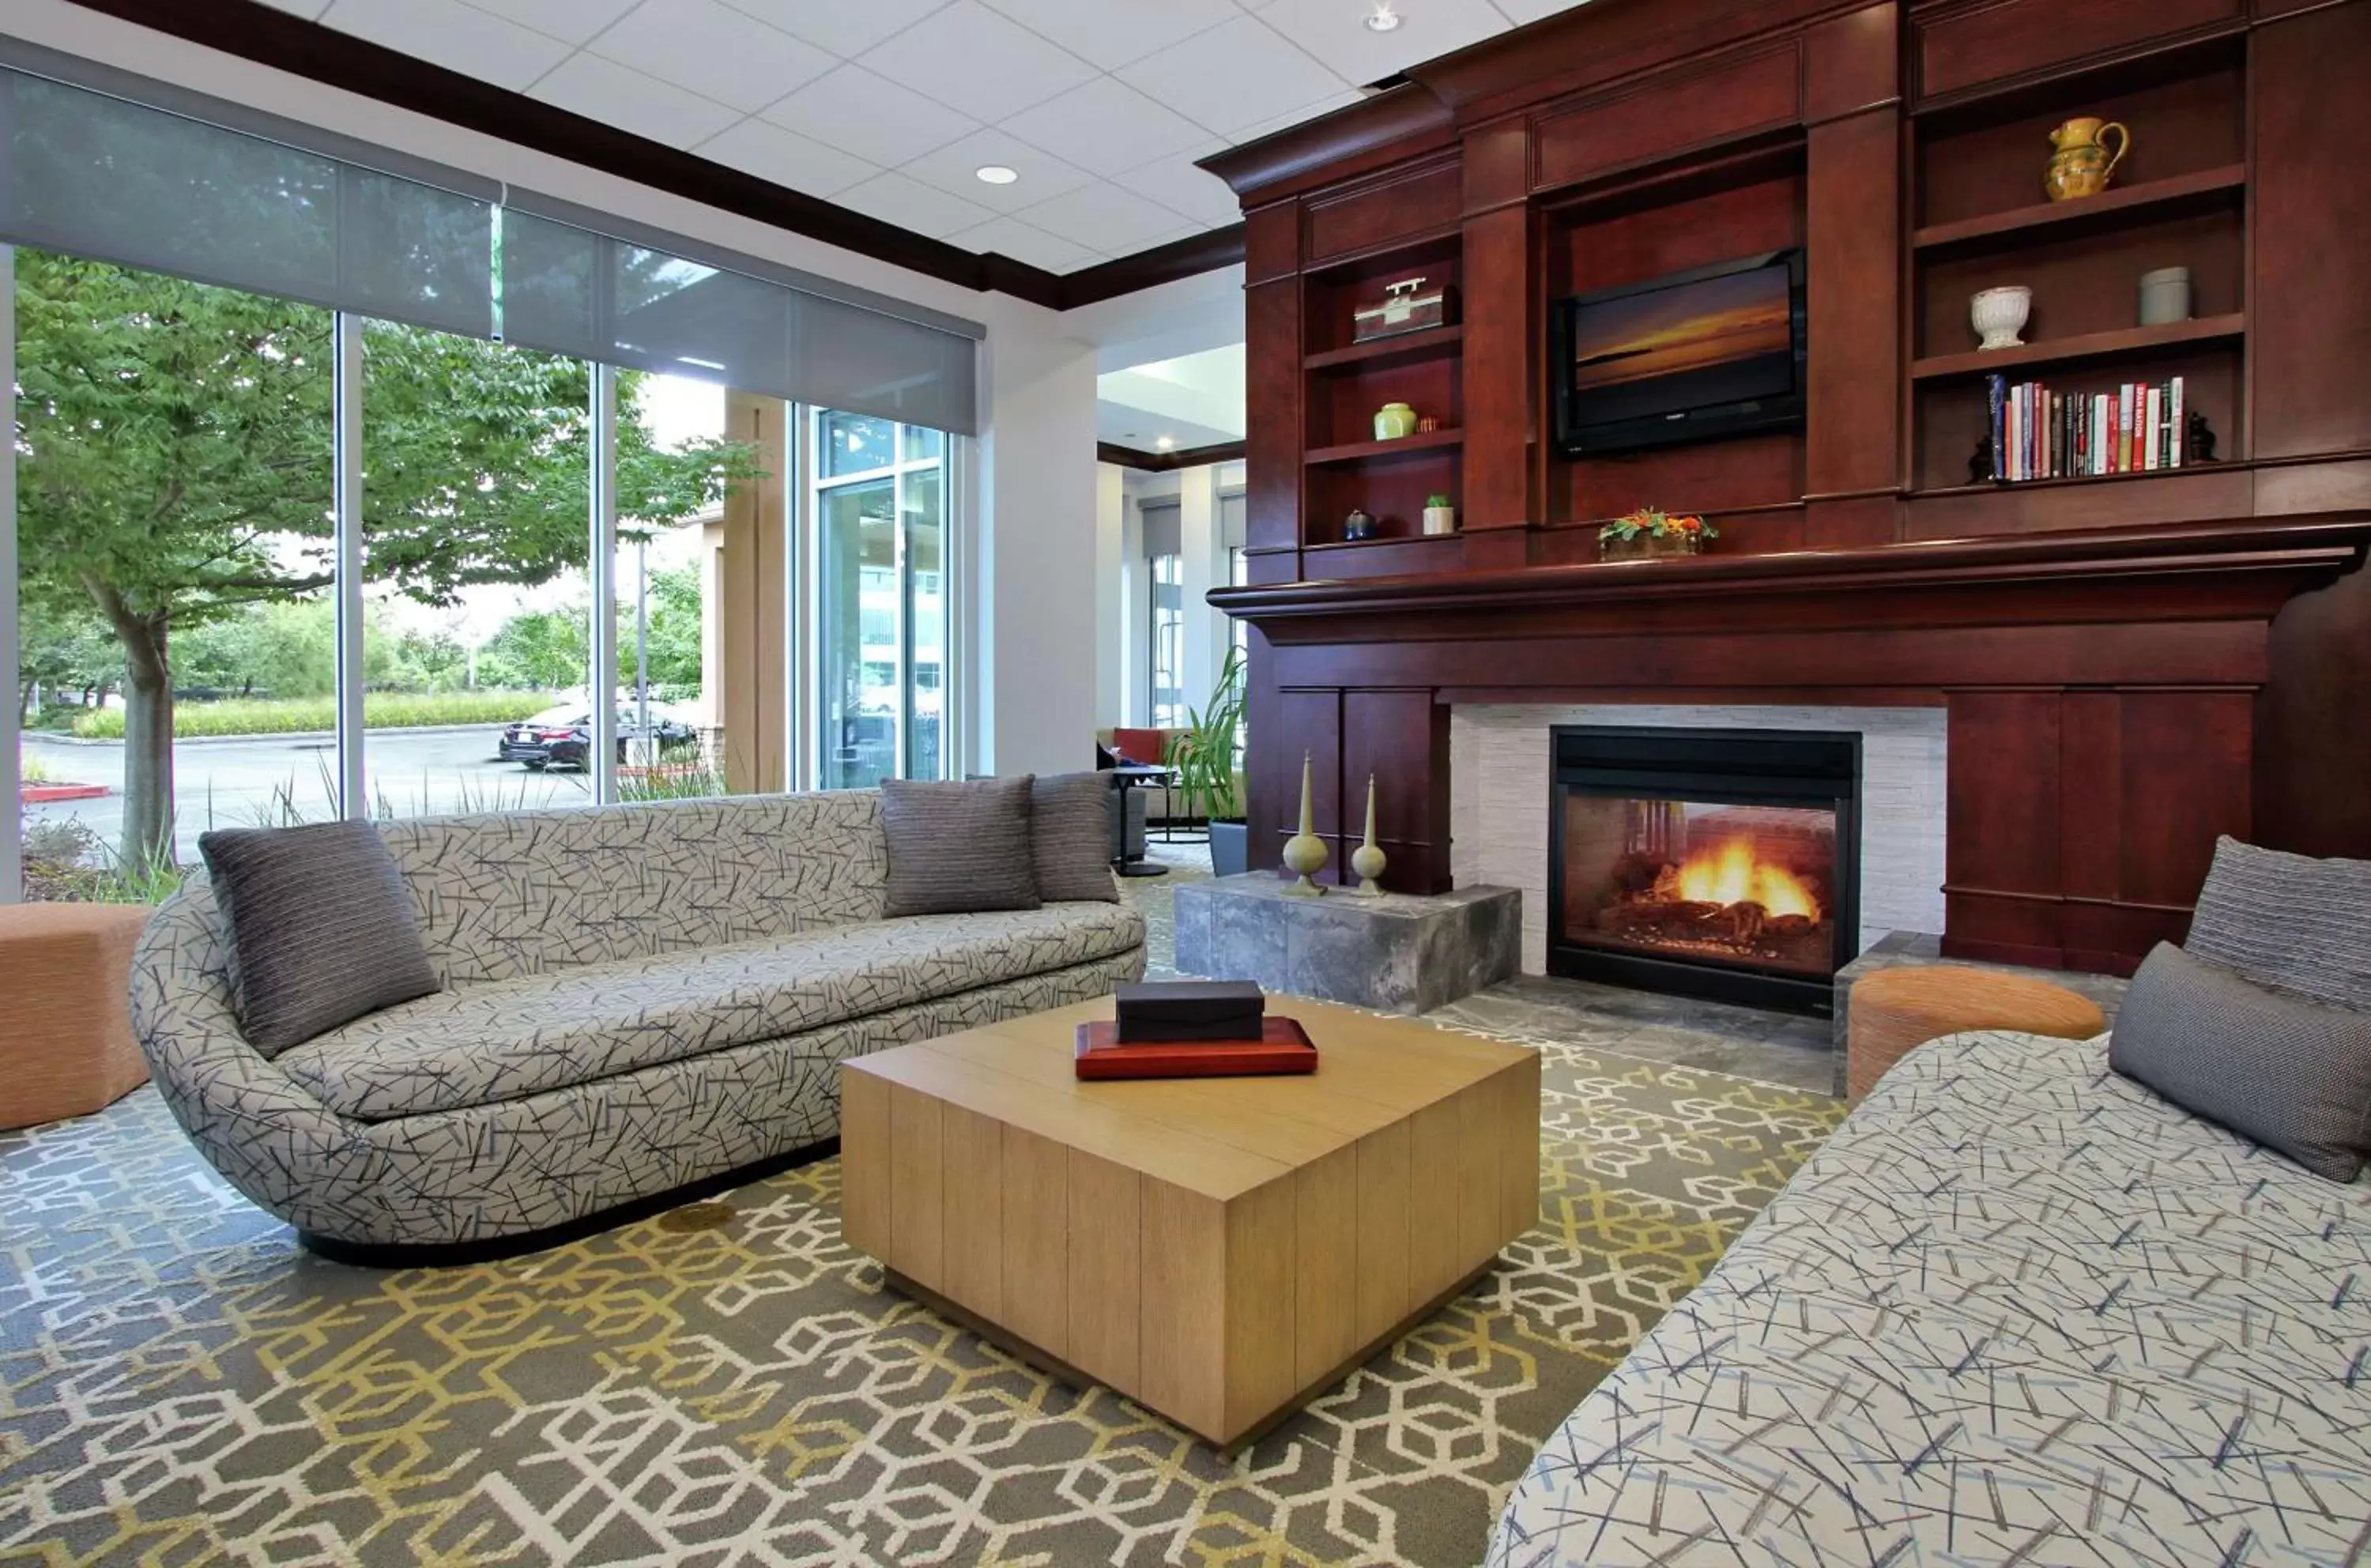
2132 663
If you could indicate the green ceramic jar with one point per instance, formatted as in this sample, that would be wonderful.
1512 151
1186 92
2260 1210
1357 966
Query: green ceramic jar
1394 421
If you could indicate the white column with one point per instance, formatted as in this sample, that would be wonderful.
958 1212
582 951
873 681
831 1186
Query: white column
1035 602
603 764
12 829
346 447
1205 569
1111 595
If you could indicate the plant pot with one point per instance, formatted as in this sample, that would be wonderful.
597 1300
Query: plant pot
1647 547
1440 520
1231 848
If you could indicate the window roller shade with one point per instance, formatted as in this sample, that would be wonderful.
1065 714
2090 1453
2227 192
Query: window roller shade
572 291
101 177
96 174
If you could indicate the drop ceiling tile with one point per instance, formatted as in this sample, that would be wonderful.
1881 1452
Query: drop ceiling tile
1235 74
447 33
954 168
1521 11
1176 184
1326 105
570 22
1106 126
976 62
877 120
786 159
1335 33
894 198
1113 33
709 49
604 90
1024 242
1104 217
844 27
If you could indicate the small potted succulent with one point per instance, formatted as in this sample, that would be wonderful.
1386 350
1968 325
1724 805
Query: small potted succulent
1440 517
1651 531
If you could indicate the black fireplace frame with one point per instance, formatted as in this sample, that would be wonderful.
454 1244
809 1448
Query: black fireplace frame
1819 768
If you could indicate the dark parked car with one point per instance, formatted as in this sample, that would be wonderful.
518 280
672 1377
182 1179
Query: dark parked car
562 737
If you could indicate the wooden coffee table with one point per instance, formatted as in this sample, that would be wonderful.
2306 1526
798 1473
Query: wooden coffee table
1217 1248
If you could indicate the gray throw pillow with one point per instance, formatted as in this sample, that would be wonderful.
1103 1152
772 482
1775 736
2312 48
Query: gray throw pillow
2290 923
958 848
1069 822
321 929
2294 1075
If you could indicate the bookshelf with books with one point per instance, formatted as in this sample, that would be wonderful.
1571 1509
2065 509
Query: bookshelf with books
2180 199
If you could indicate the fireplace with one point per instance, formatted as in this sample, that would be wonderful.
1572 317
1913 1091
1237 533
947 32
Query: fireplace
1717 863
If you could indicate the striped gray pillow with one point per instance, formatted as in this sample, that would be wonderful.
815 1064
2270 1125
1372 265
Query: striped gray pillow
2292 1074
1070 824
321 929
958 848
2290 923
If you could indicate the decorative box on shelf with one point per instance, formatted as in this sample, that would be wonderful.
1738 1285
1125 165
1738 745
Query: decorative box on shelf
1406 306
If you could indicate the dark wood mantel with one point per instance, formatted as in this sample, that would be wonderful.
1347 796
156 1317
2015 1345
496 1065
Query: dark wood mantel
2131 663
2100 690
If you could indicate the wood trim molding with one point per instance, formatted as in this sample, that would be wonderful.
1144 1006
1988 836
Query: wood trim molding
1368 126
1166 462
268 36
2239 569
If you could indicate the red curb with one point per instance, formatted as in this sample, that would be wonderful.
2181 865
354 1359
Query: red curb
44 794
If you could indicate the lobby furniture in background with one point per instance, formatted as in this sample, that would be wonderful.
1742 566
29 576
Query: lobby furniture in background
1895 1011
67 1047
1220 1250
1133 786
636 999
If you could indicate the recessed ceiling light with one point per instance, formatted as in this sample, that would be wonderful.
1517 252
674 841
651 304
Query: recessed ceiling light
1164 441
1382 18
995 174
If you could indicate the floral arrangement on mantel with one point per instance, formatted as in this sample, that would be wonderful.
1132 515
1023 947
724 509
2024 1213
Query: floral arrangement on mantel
1651 531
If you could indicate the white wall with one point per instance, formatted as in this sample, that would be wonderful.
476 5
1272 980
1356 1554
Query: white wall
1030 633
1113 511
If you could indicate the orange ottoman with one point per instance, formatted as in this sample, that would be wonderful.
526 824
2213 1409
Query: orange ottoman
65 991
1895 1010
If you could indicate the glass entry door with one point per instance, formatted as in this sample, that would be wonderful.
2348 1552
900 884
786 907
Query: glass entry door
881 621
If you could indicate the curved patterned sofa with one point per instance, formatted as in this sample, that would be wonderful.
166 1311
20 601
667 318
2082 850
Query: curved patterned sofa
636 998
2018 1311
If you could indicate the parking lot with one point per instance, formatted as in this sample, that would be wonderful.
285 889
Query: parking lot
241 783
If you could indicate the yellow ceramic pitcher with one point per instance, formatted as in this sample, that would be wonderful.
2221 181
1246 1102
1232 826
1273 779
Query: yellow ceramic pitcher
2082 163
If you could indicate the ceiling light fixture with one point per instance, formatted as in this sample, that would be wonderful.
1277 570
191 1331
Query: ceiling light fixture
1382 18
1164 441
995 174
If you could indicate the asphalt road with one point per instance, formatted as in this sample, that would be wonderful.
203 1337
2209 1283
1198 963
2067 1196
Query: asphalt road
242 783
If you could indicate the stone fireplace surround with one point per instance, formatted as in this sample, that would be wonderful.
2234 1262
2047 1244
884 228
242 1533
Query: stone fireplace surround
1499 799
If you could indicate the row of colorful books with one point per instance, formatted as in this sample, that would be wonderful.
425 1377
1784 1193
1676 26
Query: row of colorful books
2041 434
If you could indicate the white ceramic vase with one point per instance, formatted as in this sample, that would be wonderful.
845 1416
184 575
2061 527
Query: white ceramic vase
1998 316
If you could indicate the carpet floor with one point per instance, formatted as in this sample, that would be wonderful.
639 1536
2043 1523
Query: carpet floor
180 1384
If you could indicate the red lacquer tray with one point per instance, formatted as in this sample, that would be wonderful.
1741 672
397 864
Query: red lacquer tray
1283 1047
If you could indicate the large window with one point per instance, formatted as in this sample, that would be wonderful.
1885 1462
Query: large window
416 504
879 504
177 651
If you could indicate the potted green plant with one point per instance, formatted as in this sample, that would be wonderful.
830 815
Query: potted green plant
1440 516
1203 752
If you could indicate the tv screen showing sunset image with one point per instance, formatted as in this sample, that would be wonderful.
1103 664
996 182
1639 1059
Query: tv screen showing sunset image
1715 341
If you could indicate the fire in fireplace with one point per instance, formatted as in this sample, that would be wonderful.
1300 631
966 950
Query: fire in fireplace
1706 862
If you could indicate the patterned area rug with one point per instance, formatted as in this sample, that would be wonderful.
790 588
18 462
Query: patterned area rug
179 1384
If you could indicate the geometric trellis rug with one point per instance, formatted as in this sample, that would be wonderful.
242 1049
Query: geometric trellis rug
180 1384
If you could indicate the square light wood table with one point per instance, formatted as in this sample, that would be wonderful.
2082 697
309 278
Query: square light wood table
1218 1250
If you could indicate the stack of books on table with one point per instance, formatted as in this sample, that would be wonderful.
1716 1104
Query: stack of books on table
2041 434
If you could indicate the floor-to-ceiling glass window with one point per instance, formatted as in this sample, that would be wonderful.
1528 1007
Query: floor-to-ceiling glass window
673 461
174 482
1168 626
879 506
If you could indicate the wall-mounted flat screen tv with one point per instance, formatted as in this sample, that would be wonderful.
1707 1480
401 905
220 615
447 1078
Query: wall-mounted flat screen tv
1687 357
